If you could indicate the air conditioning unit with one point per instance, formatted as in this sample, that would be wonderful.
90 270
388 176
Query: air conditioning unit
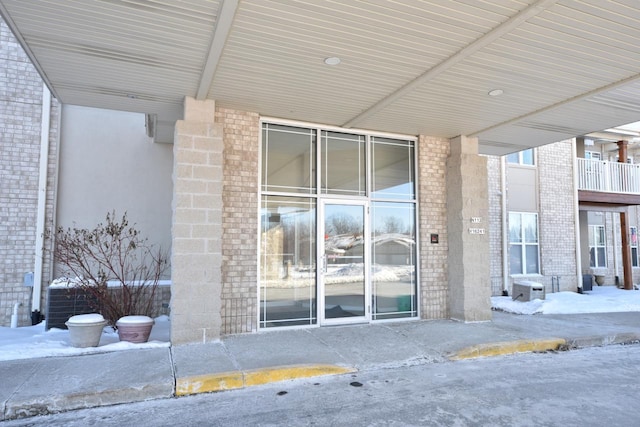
525 290
62 303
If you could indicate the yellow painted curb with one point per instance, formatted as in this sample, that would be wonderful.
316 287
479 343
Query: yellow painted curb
237 379
209 383
264 376
508 347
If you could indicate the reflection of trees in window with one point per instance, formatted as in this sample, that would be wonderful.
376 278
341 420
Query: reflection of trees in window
342 223
393 225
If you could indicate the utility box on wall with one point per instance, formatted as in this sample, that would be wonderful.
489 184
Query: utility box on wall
525 290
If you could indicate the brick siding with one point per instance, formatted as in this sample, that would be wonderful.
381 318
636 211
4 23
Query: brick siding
239 220
20 114
434 287
557 223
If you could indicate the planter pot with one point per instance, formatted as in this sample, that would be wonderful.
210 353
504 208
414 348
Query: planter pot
599 279
134 329
85 329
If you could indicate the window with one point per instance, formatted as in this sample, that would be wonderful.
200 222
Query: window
288 261
343 164
392 169
592 155
597 246
393 250
523 243
633 242
303 171
524 157
288 159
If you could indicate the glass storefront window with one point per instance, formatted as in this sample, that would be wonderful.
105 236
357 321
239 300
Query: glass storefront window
288 261
288 159
343 164
393 247
393 169
336 248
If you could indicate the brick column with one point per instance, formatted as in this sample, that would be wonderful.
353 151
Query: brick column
467 225
432 196
197 225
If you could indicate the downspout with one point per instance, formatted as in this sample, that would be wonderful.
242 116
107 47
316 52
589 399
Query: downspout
54 187
505 230
576 213
36 315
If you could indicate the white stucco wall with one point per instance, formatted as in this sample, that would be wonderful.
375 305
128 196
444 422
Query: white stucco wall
107 162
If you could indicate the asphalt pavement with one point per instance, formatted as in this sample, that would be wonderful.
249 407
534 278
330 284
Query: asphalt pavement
30 387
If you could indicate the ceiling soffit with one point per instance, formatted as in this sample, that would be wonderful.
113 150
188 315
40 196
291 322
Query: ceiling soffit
566 67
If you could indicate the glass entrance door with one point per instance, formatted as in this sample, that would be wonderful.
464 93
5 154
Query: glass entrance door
343 262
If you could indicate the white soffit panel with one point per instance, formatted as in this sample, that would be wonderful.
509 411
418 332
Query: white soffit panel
408 67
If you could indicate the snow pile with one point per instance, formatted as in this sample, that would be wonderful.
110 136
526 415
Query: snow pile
133 320
86 318
68 282
603 299
30 342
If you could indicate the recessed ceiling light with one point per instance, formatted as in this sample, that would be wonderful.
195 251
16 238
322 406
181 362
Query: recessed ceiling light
332 60
496 92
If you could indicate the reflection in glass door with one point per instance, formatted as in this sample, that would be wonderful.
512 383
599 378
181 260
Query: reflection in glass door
337 227
343 264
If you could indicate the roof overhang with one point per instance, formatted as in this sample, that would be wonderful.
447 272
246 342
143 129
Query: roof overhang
565 67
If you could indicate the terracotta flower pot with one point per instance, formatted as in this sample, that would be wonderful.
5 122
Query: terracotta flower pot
135 329
85 329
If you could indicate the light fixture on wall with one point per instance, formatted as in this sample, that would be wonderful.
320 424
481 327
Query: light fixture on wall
332 60
496 92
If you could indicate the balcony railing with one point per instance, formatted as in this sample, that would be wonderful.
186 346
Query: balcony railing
612 177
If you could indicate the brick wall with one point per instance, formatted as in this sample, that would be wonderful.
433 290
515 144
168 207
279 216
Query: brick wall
21 94
434 287
240 207
557 215
495 223
239 220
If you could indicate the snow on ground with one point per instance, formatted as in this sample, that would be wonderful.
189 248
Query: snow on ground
602 299
29 342
33 341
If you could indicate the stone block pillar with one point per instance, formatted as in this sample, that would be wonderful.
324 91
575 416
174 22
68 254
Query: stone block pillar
196 257
467 224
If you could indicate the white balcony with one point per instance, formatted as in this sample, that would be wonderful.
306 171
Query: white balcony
611 177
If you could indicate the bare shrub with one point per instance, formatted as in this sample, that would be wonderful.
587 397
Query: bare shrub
114 264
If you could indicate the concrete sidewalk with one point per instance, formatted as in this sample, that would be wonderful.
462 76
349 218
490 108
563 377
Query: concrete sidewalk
46 385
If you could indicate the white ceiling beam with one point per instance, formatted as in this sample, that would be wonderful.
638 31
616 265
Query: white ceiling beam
224 22
506 27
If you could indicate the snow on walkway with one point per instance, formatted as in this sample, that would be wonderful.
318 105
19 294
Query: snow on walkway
33 341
